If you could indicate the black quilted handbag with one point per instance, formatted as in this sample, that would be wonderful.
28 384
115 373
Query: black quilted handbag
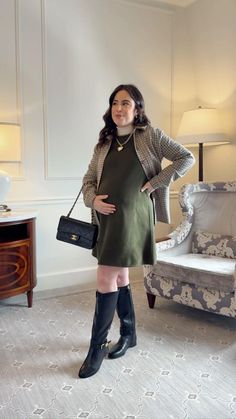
79 233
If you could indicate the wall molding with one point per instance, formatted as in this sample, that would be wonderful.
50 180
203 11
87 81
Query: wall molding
19 92
45 201
62 200
44 84
64 178
45 101
150 4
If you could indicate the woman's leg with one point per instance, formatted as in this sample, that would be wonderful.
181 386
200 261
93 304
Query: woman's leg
106 302
109 278
125 311
123 277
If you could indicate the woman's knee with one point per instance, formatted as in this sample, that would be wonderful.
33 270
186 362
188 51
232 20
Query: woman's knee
122 282
123 277
105 286
109 278
106 279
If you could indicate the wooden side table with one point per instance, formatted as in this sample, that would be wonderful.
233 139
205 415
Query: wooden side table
17 254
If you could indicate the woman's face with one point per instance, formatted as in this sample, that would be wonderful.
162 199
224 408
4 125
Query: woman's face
123 109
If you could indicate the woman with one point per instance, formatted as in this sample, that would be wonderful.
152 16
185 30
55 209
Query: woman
123 184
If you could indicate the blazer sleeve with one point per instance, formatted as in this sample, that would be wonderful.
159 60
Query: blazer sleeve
182 160
90 180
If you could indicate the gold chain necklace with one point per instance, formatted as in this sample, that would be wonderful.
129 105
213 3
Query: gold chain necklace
121 146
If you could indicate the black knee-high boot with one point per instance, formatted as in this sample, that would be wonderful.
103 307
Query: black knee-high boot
103 316
125 311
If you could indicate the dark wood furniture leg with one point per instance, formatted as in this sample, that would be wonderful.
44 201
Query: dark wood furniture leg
30 298
151 300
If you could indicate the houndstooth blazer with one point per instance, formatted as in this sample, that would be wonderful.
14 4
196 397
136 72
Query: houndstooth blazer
151 146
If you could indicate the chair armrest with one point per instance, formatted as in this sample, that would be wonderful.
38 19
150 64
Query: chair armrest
162 239
175 238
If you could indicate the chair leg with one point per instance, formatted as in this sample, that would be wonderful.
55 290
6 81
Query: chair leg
151 300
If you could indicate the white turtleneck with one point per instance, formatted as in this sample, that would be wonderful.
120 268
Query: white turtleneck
125 130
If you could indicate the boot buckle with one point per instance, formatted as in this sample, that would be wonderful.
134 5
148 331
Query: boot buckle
105 344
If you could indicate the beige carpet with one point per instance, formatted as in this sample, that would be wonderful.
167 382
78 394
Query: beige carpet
183 367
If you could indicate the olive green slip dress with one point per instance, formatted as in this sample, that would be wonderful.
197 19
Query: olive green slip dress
126 238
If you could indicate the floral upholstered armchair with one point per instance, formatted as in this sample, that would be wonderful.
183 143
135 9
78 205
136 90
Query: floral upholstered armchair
196 264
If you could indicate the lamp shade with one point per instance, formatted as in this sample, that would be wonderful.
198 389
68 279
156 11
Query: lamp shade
10 147
201 126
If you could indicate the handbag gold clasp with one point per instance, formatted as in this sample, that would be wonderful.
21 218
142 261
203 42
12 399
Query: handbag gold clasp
74 237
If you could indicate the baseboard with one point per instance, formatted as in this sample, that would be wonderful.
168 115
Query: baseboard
82 279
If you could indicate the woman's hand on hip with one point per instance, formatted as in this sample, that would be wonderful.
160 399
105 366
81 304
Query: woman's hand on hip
147 187
103 207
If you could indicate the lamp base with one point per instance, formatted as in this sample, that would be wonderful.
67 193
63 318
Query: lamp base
4 208
5 182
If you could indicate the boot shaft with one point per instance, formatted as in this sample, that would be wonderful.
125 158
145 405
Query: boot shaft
125 311
104 312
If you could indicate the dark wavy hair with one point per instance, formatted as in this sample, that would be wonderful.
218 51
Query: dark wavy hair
140 119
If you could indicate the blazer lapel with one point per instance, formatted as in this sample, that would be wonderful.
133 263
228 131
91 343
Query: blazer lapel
101 159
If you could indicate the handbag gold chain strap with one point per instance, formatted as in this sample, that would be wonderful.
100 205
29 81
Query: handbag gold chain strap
76 199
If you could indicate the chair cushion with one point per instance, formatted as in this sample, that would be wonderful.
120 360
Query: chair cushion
200 270
214 244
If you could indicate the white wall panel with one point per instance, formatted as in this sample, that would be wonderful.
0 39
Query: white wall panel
213 34
205 46
89 48
60 60
71 55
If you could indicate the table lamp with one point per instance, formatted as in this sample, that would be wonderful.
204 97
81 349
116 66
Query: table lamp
10 152
200 127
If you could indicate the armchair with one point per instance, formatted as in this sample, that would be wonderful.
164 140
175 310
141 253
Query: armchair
196 263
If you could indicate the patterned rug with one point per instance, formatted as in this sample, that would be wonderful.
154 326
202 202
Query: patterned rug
184 365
